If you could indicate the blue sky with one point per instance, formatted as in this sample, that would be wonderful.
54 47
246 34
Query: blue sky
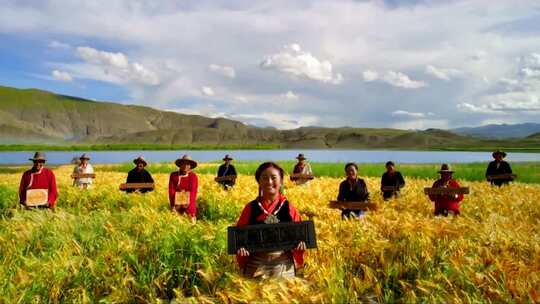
398 64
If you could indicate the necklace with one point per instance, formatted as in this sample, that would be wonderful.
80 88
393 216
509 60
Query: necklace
271 218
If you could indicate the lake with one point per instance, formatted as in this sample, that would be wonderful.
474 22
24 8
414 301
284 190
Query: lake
332 156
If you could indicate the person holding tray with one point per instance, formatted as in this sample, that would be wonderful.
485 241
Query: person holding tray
139 175
301 167
227 169
38 185
352 189
391 182
183 186
499 167
270 207
84 167
446 204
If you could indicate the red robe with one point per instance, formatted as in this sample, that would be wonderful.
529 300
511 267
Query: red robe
443 201
298 255
43 179
186 183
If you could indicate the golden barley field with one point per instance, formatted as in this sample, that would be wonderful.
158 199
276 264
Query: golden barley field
104 245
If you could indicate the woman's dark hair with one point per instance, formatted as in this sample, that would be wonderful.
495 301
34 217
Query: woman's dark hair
389 163
267 165
351 164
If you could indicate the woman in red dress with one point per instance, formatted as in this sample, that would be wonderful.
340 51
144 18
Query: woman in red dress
183 186
271 206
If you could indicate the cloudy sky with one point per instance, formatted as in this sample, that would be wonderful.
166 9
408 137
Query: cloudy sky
395 63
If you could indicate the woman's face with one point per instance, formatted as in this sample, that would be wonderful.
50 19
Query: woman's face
270 181
84 161
185 166
38 164
351 172
390 168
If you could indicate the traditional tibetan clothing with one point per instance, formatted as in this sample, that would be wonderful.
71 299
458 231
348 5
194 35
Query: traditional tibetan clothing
85 182
446 203
353 191
496 168
42 179
302 168
270 264
225 170
188 183
394 179
136 176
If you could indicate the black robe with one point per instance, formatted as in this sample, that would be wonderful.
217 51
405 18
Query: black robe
224 171
357 193
136 176
504 168
395 180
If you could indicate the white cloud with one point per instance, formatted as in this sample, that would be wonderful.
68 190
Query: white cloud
406 114
208 91
61 76
397 79
278 120
483 109
226 71
118 64
290 95
59 45
292 60
421 124
444 74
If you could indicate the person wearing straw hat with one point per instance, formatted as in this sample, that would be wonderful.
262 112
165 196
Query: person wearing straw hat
183 187
393 179
38 180
446 204
498 167
301 167
84 167
139 175
227 169
270 207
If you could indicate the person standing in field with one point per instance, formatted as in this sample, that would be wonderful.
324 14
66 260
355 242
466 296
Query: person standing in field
270 207
84 167
446 204
352 189
183 187
498 167
301 167
227 169
139 175
38 181
391 178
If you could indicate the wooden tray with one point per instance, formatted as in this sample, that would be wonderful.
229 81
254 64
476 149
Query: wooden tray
37 197
501 176
181 198
365 206
446 191
271 237
301 176
225 178
390 188
83 175
127 186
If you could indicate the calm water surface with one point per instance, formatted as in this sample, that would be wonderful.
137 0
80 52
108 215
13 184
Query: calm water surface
360 156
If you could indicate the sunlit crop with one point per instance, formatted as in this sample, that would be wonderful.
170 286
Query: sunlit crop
106 245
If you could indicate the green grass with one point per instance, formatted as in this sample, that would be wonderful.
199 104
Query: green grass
528 172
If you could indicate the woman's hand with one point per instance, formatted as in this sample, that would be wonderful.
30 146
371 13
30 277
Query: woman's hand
242 252
301 246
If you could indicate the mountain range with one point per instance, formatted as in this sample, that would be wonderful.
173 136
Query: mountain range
37 116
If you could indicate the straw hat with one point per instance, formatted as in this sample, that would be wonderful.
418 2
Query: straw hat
227 157
39 156
503 154
84 156
301 157
186 158
140 159
445 168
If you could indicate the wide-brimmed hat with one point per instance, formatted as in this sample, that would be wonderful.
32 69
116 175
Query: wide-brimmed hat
84 156
39 156
227 157
140 159
445 168
503 154
301 157
186 158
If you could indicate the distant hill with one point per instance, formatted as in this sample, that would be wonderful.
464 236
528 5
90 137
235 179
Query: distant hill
535 136
501 131
36 116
